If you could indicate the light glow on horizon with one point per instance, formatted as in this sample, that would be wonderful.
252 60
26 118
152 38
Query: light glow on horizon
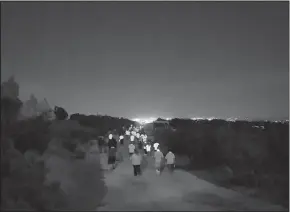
145 120
231 119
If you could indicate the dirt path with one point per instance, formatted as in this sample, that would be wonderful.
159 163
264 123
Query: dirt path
179 191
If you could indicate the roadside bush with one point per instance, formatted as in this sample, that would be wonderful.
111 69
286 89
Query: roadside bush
24 187
248 149
81 180
9 109
30 134
102 123
25 176
35 153
60 113
90 185
202 150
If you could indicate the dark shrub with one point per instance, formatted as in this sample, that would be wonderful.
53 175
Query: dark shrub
60 113
31 134
252 150
9 109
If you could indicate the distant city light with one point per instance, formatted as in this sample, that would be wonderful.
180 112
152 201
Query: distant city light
197 118
145 120
232 119
262 127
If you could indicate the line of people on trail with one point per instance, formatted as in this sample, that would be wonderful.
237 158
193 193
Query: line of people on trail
159 161
112 151
136 158
110 147
136 148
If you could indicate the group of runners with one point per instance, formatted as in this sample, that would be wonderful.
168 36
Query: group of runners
139 147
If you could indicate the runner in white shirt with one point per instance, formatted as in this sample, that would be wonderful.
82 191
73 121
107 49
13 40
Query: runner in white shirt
155 146
131 149
144 138
121 139
158 155
170 161
148 149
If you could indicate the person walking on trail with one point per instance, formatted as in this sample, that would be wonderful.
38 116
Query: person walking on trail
131 149
155 146
112 145
136 159
93 146
105 147
140 145
112 157
112 142
121 139
170 161
101 143
148 149
93 150
121 148
132 138
145 149
158 155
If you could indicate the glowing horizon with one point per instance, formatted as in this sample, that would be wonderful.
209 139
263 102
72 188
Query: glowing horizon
145 120
231 119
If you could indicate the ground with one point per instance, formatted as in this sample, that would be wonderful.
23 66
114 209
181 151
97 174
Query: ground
178 191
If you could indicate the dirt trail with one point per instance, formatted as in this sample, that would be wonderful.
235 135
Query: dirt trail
179 191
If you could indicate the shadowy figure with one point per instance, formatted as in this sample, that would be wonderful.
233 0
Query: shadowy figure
112 146
136 159
170 161
101 143
158 155
131 149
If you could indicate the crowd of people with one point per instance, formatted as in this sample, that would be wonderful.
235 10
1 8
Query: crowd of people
139 146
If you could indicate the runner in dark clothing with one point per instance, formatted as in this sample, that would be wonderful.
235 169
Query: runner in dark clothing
112 157
140 145
112 144
145 148
101 143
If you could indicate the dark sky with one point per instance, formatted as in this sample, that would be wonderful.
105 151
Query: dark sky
132 59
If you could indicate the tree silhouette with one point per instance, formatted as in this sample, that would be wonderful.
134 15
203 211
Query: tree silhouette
60 113
9 109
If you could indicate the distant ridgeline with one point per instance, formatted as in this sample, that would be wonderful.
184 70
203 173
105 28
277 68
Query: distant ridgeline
31 107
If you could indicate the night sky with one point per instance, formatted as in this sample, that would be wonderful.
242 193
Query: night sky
140 59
